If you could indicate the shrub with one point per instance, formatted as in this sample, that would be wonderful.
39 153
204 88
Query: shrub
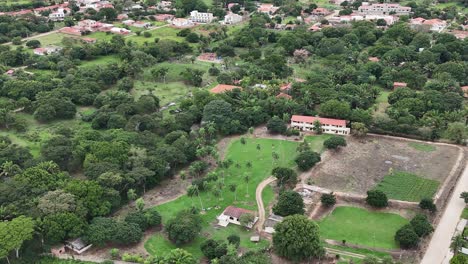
147 34
213 248
289 203
184 227
407 237
328 199
213 71
377 198
428 204
114 253
234 240
276 125
137 218
307 159
33 44
334 142
421 225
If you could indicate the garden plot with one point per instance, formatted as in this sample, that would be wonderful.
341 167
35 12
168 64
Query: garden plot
363 164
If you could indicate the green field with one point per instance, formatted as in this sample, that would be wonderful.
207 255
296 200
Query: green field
422 147
38 132
101 60
465 213
174 89
262 164
362 227
407 187
316 142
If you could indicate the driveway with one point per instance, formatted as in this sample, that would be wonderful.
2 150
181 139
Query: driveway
440 241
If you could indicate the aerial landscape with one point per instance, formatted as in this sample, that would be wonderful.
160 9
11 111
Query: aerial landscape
233 131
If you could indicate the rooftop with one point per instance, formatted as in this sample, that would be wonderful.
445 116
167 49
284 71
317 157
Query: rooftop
323 121
236 212
221 88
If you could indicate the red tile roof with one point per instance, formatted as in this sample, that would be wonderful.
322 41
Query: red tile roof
323 121
285 96
286 86
221 88
374 59
400 84
236 212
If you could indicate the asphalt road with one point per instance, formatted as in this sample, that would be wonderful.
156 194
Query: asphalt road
440 242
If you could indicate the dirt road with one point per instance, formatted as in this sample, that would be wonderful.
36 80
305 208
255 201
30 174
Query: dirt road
258 197
440 241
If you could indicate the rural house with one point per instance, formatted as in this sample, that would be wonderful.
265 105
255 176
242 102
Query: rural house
199 17
384 9
221 88
232 215
329 125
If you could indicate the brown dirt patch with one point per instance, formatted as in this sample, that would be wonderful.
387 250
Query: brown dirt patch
363 163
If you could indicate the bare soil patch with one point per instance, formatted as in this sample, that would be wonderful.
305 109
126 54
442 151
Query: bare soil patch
359 166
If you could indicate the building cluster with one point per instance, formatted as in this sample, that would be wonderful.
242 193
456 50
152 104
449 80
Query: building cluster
327 125
48 50
421 24
89 25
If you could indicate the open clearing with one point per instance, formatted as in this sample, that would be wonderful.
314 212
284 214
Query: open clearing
362 164
362 227
262 164
407 187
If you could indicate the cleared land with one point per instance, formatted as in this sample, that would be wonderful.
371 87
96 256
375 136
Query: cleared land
362 164
407 187
262 164
362 227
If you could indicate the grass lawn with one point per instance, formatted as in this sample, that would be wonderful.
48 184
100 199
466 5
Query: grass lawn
362 227
161 33
422 147
101 60
316 142
38 132
262 164
465 213
381 102
407 187
174 89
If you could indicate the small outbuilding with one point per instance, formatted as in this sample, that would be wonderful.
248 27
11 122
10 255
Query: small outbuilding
78 245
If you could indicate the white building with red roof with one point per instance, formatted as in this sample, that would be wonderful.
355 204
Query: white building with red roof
268 9
435 25
232 215
329 125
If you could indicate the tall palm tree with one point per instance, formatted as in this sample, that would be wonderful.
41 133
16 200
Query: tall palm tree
191 192
247 179
220 186
233 188
217 194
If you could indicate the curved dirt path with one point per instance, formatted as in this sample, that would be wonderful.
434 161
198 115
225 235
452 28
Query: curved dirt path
261 207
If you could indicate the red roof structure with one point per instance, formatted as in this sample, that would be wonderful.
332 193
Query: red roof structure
374 59
221 88
323 121
285 96
286 86
399 85
236 212
465 91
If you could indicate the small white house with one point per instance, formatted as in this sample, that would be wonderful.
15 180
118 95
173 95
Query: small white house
232 18
232 215
77 245
182 22
59 15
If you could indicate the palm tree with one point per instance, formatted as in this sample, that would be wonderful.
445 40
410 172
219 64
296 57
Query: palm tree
217 194
233 188
191 192
9 169
457 243
247 179
220 186
275 156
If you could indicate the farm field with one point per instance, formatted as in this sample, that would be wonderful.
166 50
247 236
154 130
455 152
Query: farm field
262 164
407 187
378 156
362 227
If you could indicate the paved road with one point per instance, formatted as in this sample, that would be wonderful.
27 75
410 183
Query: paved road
440 242
258 197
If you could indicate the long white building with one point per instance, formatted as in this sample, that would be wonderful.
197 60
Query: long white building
384 9
199 17
329 125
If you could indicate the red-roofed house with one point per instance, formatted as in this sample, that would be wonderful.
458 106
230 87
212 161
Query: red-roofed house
329 125
319 11
221 88
269 9
465 91
89 40
285 96
232 215
286 87
70 31
397 85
